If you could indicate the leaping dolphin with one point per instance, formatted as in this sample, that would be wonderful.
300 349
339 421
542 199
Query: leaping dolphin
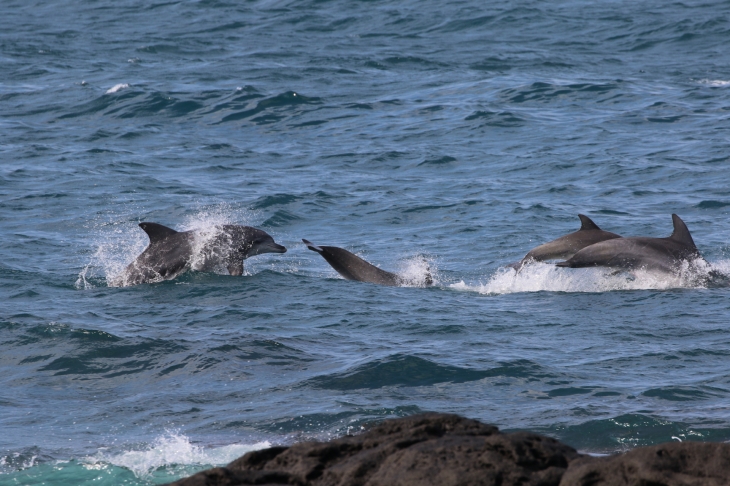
171 252
662 254
567 246
352 267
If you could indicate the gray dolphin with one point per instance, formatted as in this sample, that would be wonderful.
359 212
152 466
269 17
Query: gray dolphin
352 267
662 254
171 252
568 245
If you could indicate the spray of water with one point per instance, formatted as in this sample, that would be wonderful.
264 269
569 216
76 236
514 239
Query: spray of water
540 276
418 271
170 451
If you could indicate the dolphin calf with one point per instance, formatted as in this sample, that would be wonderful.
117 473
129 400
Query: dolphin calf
662 254
568 245
171 252
352 267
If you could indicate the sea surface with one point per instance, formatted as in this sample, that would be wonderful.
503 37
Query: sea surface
450 136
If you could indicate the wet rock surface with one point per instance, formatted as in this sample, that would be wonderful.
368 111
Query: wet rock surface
442 449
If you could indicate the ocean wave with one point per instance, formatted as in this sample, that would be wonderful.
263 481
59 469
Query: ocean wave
412 371
631 430
715 83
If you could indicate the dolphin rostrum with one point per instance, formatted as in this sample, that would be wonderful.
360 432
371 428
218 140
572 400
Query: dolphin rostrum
662 254
171 252
352 267
568 245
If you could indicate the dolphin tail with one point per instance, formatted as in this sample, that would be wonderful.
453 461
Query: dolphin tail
312 246
566 263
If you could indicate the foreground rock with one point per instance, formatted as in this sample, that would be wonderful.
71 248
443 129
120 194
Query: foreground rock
441 449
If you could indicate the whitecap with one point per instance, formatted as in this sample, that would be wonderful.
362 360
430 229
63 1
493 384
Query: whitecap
117 87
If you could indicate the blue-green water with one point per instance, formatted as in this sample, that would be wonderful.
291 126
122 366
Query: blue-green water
465 134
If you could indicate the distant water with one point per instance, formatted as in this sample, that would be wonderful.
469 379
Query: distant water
456 134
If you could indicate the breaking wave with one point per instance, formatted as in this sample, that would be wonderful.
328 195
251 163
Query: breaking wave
170 454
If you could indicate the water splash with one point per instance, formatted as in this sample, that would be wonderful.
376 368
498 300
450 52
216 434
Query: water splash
418 271
20 460
171 451
541 276
117 245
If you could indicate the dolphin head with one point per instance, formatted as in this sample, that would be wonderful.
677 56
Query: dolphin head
248 241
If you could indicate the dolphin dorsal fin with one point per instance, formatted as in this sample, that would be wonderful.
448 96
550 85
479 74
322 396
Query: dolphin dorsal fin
587 223
157 232
312 246
681 233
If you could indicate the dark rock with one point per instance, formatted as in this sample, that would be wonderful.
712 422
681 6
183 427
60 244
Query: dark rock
429 449
670 464
440 449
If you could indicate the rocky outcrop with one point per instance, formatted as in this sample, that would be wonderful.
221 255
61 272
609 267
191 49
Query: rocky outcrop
441 449
670 464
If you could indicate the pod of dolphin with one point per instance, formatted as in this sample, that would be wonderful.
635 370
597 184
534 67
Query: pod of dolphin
171 253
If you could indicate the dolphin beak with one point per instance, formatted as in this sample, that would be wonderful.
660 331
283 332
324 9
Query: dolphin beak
272 248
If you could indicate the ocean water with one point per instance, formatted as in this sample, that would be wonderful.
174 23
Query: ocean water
416 134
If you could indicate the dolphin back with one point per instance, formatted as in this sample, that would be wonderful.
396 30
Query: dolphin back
663 254
352 267
567 246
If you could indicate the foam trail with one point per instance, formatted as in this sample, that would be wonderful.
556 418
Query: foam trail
171 451
540 276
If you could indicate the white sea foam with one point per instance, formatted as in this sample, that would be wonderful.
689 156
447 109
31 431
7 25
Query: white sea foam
538 277
170 451
415 271
117 87
714 82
